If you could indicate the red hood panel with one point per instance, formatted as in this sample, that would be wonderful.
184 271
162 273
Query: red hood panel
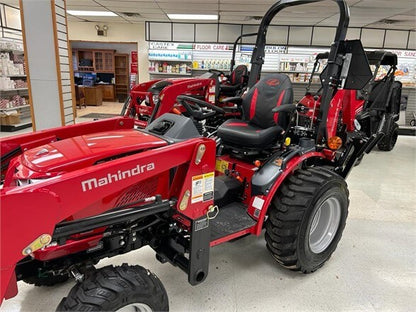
82 151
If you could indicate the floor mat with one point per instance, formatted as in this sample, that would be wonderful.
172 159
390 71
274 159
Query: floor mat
98 115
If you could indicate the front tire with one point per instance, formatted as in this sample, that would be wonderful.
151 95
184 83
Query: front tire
307 218
124 288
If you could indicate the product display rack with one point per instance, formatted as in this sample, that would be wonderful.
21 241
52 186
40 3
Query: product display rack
15 110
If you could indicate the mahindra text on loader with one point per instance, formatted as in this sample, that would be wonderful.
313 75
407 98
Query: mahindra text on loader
77 194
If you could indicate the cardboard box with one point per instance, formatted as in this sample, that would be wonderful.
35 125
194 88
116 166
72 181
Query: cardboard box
12 118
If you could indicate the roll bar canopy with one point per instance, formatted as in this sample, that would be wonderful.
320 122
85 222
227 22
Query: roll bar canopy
257 58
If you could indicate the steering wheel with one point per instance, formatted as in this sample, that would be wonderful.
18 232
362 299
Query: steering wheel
197 108
220 72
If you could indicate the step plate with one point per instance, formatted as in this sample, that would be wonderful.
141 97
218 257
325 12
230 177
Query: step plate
231 219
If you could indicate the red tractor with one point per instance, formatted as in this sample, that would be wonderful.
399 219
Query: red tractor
74 195
152 99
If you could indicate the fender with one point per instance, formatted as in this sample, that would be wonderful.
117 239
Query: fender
260 203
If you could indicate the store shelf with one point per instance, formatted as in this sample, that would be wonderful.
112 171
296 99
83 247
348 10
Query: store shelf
8 92
26 123
13 108
17 89
173 74
12 50
15 76
170 60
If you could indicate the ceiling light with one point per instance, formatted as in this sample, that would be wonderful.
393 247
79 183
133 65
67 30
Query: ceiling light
210 17
91 13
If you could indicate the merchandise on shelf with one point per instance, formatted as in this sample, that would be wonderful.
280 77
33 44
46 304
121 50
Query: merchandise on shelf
8 84
166 67
11 45
15 101
9 117
8 67
296 62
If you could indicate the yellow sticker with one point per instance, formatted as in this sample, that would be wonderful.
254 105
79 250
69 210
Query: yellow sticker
202 187
221 165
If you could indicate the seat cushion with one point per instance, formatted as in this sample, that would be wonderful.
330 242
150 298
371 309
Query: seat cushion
244 134
229 89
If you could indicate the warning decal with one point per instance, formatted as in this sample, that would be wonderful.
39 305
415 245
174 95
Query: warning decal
221 165
202 187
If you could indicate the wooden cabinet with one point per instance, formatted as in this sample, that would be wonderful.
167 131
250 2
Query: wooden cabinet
107 91
104 61
99 61
121 62
93 96
85 60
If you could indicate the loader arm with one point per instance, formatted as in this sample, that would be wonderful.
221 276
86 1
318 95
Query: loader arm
30 211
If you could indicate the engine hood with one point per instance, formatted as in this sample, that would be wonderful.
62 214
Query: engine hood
87 150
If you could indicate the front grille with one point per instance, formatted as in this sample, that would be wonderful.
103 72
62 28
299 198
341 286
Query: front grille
138 191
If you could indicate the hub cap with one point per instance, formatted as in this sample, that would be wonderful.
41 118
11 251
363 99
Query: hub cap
135 307
324 225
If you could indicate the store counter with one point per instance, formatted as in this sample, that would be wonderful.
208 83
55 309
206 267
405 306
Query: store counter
93 96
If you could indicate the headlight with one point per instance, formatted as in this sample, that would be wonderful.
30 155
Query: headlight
23 182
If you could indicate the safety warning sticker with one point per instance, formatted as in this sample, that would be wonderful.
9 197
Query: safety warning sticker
202 187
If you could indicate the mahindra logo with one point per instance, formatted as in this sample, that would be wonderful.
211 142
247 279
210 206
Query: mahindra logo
194 85
273 82
94 183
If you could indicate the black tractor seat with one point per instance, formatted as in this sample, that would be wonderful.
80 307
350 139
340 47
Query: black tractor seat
236 82
260 127
242 133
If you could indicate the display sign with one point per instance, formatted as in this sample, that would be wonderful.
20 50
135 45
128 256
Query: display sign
402 53
212 47
134 63
169 46
267 49
275 49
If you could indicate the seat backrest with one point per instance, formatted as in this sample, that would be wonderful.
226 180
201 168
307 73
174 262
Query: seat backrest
238 75
269 92
378 97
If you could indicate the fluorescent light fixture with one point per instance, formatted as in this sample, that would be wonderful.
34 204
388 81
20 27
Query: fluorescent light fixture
91 13
206 17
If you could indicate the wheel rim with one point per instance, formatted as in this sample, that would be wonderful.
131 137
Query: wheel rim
135 307
324 225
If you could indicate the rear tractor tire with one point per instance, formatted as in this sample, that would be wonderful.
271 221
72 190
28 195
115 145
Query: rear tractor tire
389 140
122 289
307 218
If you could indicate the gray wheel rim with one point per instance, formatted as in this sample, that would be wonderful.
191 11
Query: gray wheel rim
324 225
135 307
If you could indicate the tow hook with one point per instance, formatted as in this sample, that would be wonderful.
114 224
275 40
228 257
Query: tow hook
78 276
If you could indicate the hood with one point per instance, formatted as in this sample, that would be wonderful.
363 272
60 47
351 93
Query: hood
87 150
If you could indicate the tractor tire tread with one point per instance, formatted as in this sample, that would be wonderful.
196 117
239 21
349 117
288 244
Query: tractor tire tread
100 291
287 212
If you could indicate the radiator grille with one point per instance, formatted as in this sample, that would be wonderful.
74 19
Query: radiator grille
138 191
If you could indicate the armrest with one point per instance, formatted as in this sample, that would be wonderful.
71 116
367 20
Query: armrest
285 108
234 99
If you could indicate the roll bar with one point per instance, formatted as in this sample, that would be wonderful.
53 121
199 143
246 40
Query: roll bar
257 58
235 48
